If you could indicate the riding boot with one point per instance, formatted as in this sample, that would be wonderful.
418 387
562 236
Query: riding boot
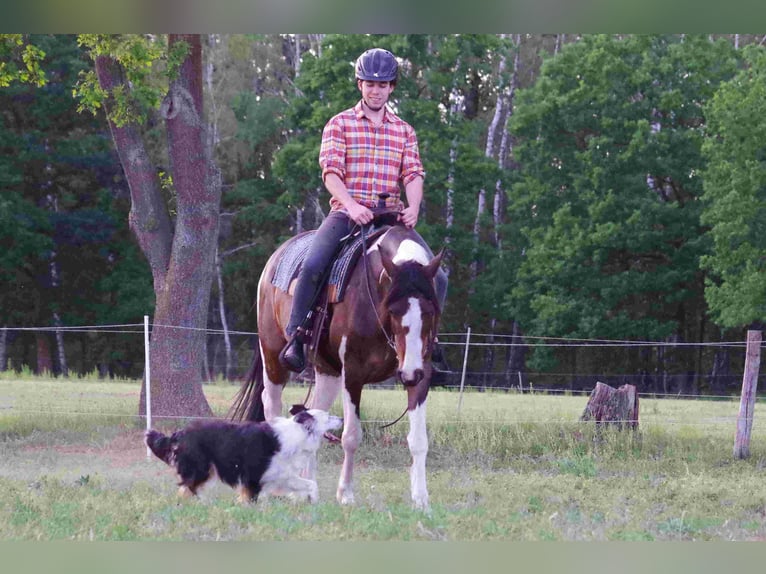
292 356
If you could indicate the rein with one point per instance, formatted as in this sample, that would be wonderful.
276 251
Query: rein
377 316
369 291
371 297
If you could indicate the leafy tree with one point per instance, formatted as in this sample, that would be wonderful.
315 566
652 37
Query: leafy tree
20 61
23 226
609 185
61 169
735 196
180 251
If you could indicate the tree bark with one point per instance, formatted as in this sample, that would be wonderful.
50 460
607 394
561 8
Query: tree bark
149 219
182 260
222 311
607 406
44 359
4 348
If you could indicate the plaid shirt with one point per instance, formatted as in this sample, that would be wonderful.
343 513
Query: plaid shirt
370 160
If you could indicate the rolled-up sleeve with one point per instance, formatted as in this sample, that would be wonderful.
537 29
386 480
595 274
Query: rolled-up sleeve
412 167
332 153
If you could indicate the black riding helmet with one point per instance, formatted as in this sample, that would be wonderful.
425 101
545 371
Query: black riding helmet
377 65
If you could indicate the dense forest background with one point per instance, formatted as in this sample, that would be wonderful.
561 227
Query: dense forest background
589 189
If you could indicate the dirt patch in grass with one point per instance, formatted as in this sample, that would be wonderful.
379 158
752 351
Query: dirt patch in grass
124 450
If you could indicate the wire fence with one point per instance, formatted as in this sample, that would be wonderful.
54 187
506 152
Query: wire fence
467 352
476 361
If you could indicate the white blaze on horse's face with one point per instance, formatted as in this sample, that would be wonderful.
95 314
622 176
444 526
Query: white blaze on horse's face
412 321
409 341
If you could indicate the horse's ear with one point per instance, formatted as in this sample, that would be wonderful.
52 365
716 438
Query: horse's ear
433 265
388 264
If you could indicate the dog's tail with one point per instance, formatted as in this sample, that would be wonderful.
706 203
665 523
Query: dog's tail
160 445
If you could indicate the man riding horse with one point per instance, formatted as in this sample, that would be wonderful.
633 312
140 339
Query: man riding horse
367 151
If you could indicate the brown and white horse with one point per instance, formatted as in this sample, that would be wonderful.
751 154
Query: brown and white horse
383 327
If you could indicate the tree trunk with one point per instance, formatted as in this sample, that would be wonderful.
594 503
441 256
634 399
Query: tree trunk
607 406
4 349
181 261
222 311
149 219
44 359
178 336
61 352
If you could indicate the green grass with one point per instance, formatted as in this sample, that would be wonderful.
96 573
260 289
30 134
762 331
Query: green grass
505 467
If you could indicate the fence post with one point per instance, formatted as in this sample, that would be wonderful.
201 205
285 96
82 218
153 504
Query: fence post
747 401
465 364
148 371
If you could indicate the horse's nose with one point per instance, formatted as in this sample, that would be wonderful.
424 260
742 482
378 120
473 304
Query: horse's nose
417 376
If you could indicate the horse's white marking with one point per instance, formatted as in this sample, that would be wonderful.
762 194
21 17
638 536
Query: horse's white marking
410 250
271 397
351 438
326 388
377 243
413 352
417 439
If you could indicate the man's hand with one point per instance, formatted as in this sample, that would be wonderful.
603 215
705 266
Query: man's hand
409 216
359 214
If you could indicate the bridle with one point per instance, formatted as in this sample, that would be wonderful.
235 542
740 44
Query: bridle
369 290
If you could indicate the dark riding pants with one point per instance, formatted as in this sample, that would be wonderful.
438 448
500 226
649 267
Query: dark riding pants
321 254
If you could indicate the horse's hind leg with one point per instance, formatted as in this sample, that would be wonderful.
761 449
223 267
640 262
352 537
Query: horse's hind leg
272 399
274 379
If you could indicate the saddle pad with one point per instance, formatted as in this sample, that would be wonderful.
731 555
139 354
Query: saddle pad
290 262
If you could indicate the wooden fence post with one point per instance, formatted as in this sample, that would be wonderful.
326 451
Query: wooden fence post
747 401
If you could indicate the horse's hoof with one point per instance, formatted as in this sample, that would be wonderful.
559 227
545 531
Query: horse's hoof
421 503
345 498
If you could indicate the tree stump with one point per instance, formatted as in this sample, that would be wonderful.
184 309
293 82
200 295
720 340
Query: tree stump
608 406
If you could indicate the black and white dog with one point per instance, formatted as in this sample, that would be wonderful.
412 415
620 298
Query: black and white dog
251 457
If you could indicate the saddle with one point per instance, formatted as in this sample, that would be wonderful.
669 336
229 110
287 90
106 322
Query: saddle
291 260
332 286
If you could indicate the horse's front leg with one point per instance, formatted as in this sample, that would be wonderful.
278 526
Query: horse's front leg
325 392
352 437
417 439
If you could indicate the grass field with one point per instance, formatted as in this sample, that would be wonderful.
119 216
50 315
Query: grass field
508 467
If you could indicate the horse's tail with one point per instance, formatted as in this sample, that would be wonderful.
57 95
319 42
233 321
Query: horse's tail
248 403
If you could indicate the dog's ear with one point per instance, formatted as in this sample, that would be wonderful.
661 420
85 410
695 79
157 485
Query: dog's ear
306 420
297 408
